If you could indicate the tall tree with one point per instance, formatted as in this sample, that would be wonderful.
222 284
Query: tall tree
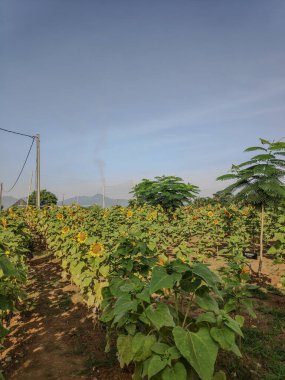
47 198
258 181
167 191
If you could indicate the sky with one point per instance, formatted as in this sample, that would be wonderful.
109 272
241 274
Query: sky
122 90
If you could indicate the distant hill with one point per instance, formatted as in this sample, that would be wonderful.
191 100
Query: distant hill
82 200
8 201
97 199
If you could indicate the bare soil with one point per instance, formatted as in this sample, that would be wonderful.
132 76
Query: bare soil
271 273
56 337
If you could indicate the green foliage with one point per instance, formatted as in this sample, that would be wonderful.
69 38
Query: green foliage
47 198
14 245
153 317
167 191
259 180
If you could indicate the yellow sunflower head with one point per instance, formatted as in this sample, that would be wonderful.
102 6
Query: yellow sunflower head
210 214
162 260
59 216
4 222
129 214
216 221
96 249
65 230
81 237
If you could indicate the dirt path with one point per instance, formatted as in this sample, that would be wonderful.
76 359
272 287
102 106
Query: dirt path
55 339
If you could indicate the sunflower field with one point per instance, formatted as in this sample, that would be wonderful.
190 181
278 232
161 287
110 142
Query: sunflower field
144 273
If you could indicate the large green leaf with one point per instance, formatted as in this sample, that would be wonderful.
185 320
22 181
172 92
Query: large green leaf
177 372
124 304
156 364
206 274
124 346
233 325
223 336
141 346
199 349
161 279
208 303
159 315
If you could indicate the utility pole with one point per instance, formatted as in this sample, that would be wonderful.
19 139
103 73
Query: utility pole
38 180
1 192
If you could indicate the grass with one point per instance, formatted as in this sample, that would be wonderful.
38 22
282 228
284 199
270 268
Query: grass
267 344
263 346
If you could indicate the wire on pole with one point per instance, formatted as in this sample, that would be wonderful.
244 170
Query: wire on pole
33 139
17 133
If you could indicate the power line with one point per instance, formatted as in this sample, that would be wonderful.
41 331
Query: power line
17 133
33 139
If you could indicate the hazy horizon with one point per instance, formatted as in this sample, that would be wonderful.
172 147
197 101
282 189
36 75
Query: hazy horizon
121 91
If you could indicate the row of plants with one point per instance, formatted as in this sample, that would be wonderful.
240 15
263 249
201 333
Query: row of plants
15 245
169 313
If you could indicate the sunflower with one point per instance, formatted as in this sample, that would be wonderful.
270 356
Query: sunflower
96 249
216 221
59 216
65 230
7 252
162 260
152 216
245 269
129 214
4 222
81 237
210 214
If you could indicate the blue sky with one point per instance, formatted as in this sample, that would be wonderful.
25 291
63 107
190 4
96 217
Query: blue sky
138 88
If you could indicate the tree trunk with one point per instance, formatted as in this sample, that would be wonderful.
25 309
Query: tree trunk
261 239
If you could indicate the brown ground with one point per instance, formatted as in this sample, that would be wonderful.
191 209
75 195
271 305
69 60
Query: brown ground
56 338
271 273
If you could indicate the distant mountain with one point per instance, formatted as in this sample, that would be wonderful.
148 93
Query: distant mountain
8 201
97 199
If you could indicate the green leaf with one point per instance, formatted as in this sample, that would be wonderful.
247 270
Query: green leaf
206 274
220 376
124 346
124 304
144 295
161 279
206 317
240 320
156 364
263 141
173 352
159 315
233 325
160 348
177 372
253 148
141 346
223 336
104 270
207 302
199 349
7 267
